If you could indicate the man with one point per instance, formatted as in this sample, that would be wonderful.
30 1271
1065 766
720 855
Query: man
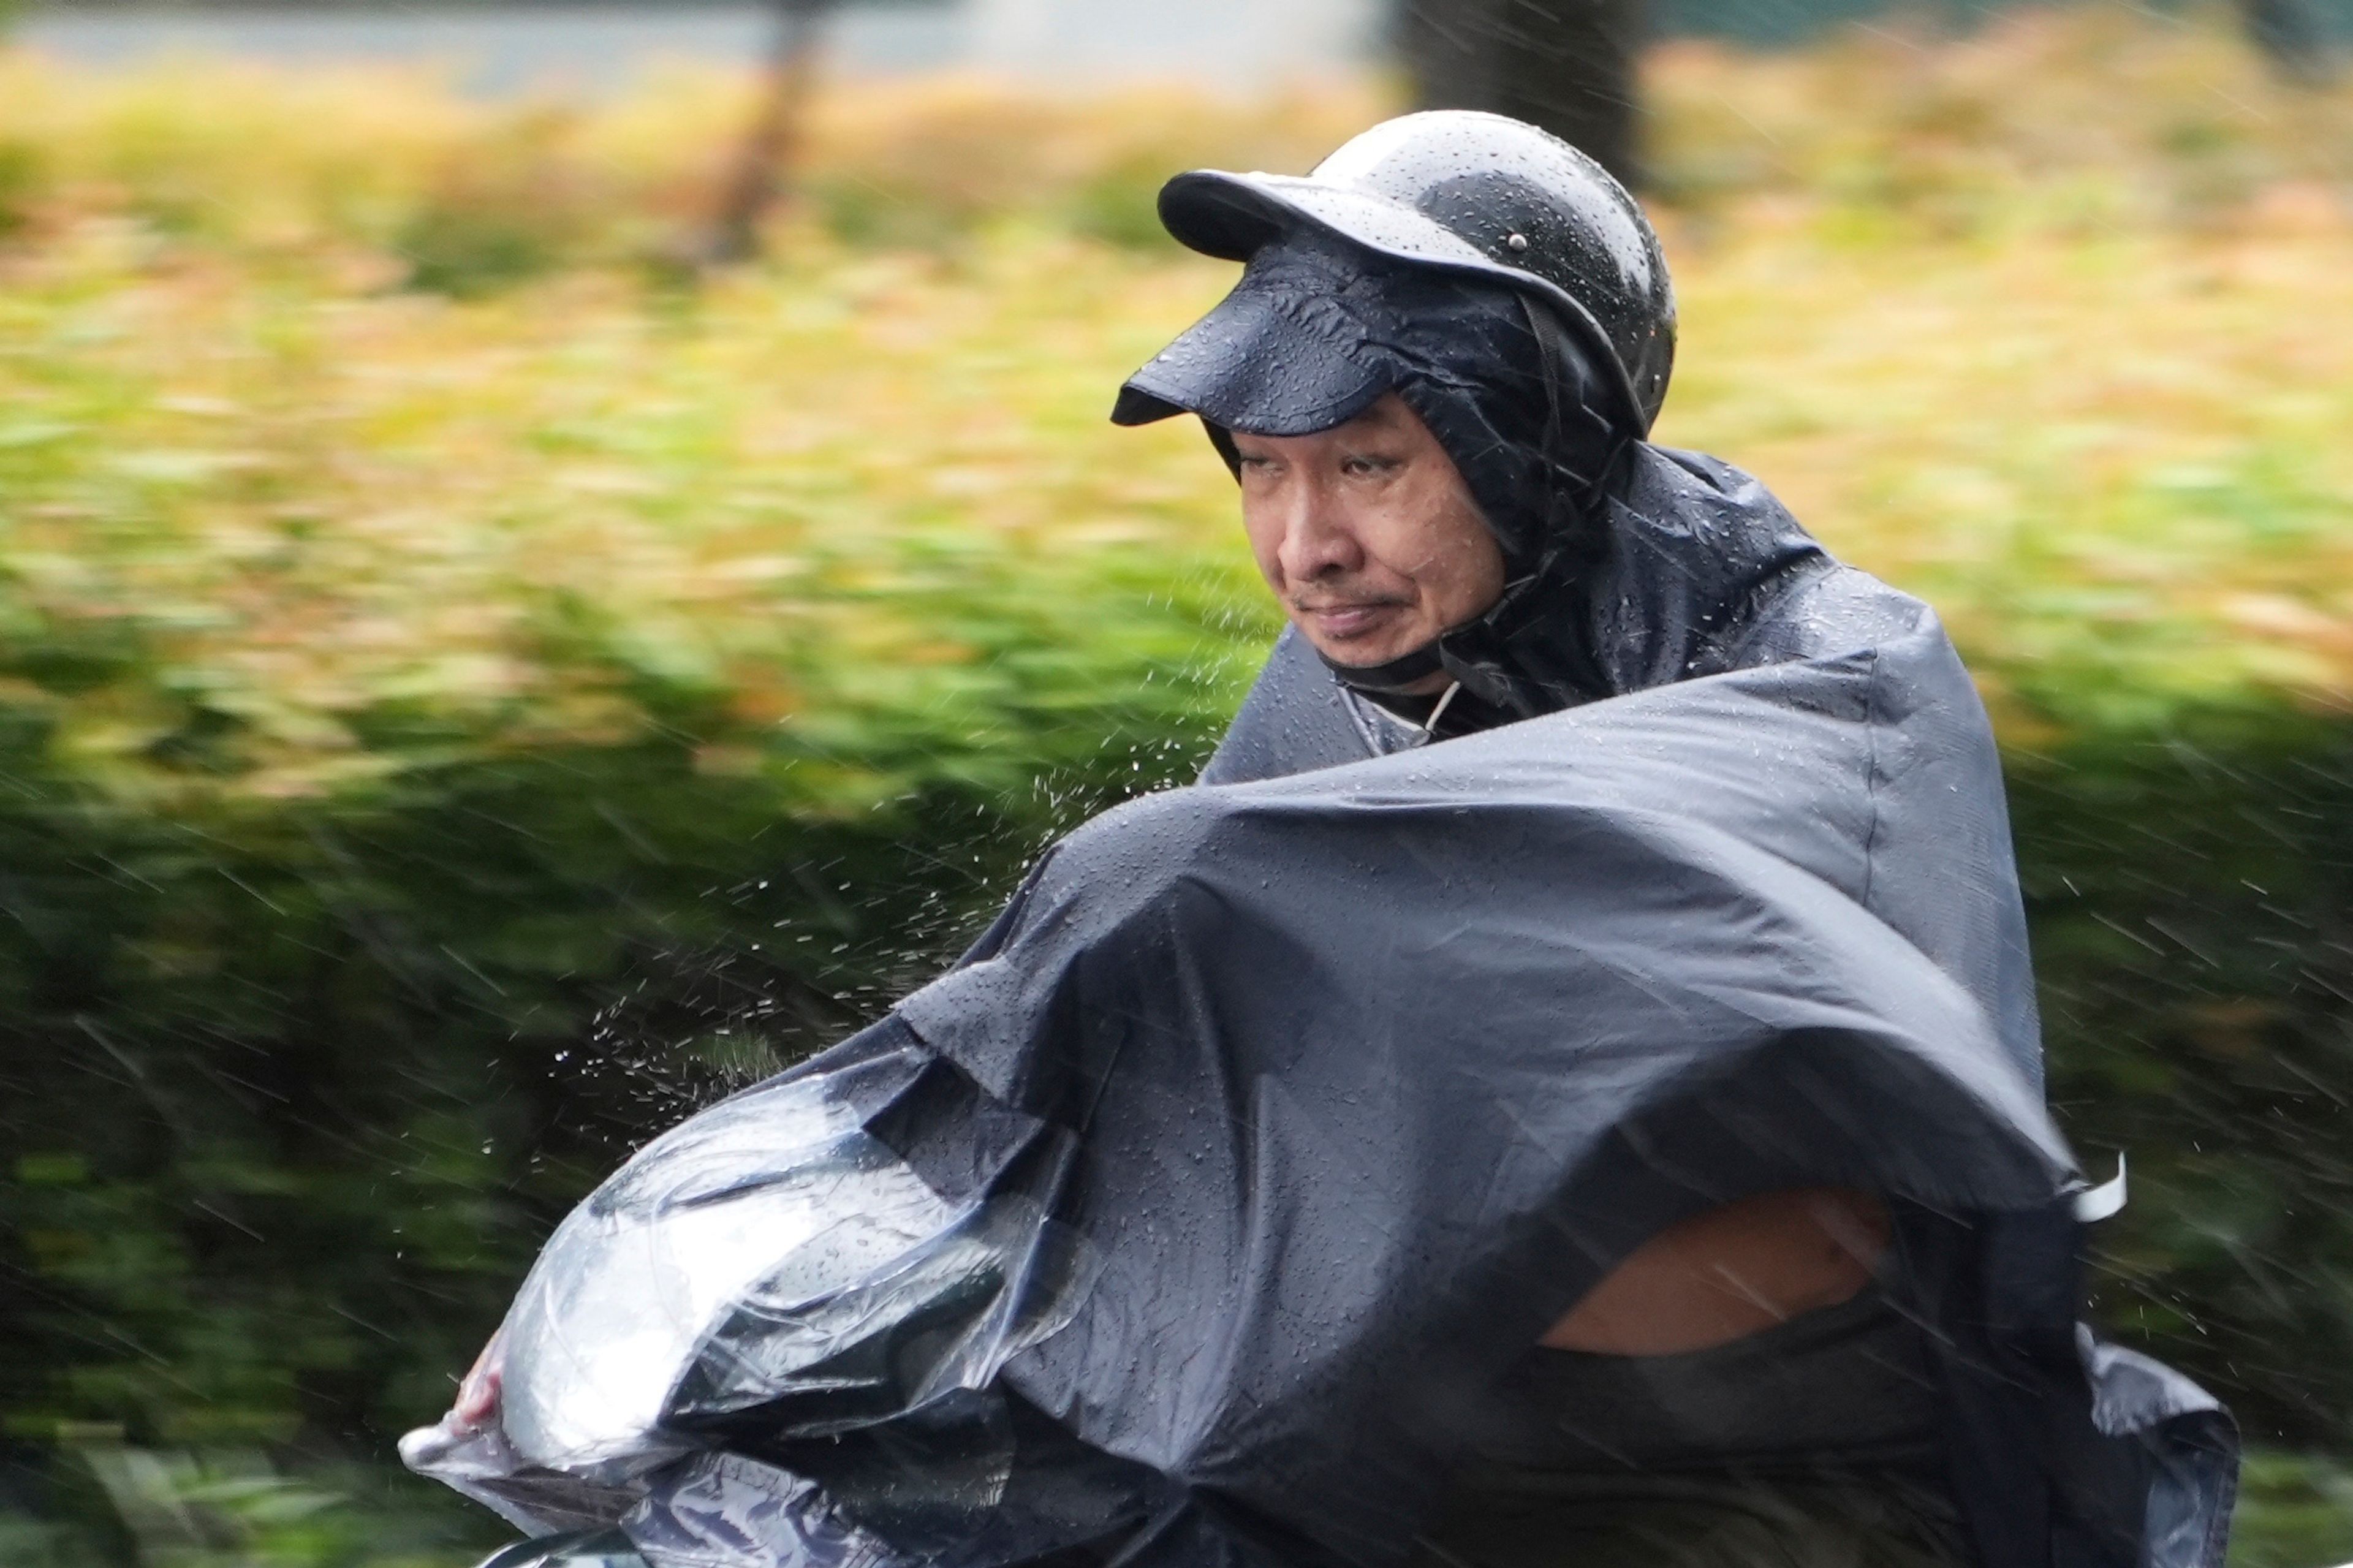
1565 1090
1375 547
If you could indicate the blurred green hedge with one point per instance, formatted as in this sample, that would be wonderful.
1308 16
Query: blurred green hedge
2191 892
292 1091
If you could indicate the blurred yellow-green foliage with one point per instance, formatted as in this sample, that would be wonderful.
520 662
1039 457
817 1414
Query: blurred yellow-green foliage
427 611
341 382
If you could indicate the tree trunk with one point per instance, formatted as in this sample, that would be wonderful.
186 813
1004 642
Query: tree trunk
2293 40
1566 65
759 174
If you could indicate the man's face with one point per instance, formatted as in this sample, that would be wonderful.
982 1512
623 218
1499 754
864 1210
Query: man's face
1367 534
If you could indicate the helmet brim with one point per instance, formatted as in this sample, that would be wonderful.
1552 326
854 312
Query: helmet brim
1231 215
1256 363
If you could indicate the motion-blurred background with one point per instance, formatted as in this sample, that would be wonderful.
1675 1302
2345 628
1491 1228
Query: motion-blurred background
553 558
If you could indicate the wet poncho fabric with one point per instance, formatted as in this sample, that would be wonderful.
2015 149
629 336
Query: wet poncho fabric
1186 1220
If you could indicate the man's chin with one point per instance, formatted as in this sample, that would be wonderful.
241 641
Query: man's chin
1361 652
1384 665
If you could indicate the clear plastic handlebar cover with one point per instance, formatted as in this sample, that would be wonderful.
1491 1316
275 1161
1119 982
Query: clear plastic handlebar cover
771 1263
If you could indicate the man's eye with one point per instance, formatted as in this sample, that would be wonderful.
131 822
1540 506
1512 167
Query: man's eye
1368 465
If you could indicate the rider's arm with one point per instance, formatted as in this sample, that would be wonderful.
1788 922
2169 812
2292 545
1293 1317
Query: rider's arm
1730 1272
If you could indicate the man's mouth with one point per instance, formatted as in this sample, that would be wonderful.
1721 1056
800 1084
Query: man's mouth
1344 620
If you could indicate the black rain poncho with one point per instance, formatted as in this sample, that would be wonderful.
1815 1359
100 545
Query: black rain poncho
1185 1220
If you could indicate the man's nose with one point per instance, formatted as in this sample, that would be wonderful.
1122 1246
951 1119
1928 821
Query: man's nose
1317 537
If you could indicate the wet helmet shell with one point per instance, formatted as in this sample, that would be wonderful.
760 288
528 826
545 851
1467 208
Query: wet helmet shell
1472 193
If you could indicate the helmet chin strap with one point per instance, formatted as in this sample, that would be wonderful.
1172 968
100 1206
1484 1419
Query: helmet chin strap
1391 678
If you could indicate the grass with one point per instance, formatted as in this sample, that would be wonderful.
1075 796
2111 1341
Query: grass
348 426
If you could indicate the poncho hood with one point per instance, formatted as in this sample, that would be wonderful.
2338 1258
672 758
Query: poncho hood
1626 566
1316 329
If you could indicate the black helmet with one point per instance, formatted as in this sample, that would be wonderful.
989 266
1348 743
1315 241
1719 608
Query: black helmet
1471 192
